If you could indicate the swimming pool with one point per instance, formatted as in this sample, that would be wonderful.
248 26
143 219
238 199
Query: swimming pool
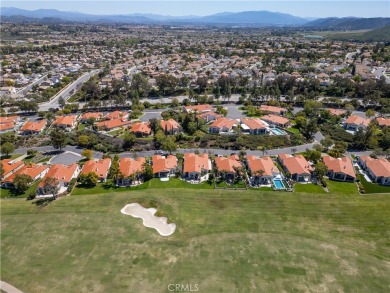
277 131
278 184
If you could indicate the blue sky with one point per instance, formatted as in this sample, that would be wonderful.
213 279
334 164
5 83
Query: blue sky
312 8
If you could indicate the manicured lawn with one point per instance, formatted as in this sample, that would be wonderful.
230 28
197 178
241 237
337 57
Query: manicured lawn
81 126
342 187
225 241
373 187
223 184
293 129
309 188
12 157
154 183
10 193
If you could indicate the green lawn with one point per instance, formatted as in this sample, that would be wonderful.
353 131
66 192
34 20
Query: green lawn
309 188
342 187
81 126
10 193
225 241
223 184
373 187
293 129
154 183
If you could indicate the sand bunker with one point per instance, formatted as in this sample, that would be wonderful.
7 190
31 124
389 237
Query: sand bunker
149 219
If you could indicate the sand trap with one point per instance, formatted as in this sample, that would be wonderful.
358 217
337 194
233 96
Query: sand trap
149 219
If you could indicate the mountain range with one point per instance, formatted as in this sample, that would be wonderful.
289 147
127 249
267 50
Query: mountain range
245 18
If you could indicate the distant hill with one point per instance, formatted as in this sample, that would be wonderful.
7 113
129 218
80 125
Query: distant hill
376 35
349 23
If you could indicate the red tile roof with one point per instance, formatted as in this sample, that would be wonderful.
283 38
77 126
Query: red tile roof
65 120
340 165
31 170
114 123
199 108
116 115
36 126
358 121
196 163
8 119
227 164
380 167
254 123
96 115
161 164
7 126
264 164
275 119
141 127
129 166
272 109
10 165
100 167
60 172
223 122
336 112
383 121
169 125
295 165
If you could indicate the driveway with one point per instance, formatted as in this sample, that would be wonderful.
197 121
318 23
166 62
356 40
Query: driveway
234 112
151 114
66 158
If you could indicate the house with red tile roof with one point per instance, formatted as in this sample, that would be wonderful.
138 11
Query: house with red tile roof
222 125
253 126
131 170
8 119
228 166
297 166
61 175
36 172
337 112
109 125
340 169
170 126
10 167
353 123
164 167
33 127
377 169
198 108
90 115
383 122
273 110
275 120
261 170
7 127
196 167
116 115
99 167
209 116
66 122
141 129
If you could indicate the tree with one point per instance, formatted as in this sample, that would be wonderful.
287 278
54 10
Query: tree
61 102
147 171
169 144
90 179
320 169
87 153
115 172
22 182
313 155
370 113
7 148
129 140
50 186
58 138
83 140
174 103
327 142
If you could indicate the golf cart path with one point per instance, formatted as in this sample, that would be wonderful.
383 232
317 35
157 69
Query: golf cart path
8 288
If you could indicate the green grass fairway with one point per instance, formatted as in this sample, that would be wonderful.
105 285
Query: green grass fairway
225 241
309 188
373 187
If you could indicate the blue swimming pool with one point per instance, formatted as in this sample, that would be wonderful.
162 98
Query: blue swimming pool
278 131
278 184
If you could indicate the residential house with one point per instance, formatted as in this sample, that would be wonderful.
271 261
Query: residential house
273 110
261 170
337 112
209 116
253 126
227 167
275 120
141 129
383 122
353 123
116 115
36 172
297 166
340 169
10 167
164 167
109 125
8 123
131 170
99 167
196 167
170 126
33 127
377 169
61 175
222 125
66 122
96 116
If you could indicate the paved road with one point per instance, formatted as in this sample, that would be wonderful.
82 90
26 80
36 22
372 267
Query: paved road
149 114
98 155
66 158
66 93
8 288
24 90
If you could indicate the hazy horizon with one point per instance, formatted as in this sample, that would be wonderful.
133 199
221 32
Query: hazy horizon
313 8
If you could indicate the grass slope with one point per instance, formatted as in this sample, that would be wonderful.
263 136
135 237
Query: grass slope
226 241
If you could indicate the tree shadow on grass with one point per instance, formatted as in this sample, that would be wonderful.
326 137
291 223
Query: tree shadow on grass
43 202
